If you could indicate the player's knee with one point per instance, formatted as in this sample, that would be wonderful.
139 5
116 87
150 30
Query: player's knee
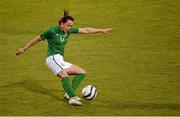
83 71
62 74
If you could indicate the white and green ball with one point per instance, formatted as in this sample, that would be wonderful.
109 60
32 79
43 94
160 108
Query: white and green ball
89 92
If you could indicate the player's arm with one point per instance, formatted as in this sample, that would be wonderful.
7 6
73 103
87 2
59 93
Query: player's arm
29 45
95 30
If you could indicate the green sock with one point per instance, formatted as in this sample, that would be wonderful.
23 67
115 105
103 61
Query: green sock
67 87
77 80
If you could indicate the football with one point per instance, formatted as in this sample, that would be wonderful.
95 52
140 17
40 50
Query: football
89 92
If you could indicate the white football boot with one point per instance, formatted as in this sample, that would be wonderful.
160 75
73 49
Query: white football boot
67 97
74 101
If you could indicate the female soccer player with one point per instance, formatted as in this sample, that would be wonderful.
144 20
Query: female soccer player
57 37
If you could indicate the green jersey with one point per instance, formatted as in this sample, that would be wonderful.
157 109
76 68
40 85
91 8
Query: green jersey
57 39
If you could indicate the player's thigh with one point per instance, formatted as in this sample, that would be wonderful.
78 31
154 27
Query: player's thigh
74 69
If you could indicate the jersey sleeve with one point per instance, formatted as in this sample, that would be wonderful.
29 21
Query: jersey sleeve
74 30
45 34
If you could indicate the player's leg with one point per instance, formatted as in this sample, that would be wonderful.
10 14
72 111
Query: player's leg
66 83
79 73
73 99
74 70
55 64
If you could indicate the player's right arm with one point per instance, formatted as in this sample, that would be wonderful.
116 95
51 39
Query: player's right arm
29 45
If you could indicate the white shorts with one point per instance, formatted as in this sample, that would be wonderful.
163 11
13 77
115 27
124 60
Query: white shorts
56 63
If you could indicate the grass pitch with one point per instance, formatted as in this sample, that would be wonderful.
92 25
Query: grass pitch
136 69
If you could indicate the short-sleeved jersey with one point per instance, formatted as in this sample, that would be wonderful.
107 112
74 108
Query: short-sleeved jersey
57 39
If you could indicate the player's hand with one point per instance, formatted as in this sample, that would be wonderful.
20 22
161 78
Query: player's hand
20 51
107 30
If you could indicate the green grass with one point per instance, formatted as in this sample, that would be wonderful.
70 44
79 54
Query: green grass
136 69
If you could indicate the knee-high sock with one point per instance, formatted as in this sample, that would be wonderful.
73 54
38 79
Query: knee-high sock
67 87
77 80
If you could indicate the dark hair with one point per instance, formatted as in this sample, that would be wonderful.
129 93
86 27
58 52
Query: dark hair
65 17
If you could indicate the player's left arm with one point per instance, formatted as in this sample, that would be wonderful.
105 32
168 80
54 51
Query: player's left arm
95 30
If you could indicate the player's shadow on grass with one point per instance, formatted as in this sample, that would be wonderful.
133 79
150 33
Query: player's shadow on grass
35 86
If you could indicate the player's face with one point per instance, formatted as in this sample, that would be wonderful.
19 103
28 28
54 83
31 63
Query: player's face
67 25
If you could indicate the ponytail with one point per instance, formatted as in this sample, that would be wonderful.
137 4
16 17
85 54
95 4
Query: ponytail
65 13
65 17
